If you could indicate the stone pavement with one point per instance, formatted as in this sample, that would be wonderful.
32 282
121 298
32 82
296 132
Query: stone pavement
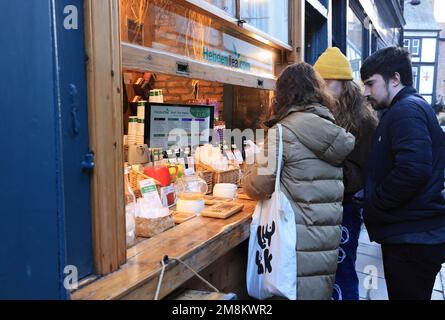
369 261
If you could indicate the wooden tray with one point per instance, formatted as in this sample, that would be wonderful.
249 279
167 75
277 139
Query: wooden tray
222 210
181 217
244 196
211 200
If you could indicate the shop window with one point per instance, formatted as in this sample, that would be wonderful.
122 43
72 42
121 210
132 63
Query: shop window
270 16
229 6
168 27
355 42
173 30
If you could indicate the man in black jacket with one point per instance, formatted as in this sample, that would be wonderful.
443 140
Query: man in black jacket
404 200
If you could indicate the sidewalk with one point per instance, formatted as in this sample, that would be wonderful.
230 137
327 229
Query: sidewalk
369 259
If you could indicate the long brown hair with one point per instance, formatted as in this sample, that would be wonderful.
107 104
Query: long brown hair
351 108
299 85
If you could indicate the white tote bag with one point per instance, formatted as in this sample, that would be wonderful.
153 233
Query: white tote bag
272 257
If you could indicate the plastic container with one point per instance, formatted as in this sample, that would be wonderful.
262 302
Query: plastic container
130 210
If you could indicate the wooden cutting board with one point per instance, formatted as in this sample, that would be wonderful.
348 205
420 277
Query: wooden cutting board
181 217
222 210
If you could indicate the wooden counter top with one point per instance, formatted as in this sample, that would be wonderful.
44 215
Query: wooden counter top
197 242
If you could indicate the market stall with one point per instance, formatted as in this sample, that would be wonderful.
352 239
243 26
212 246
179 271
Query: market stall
189 75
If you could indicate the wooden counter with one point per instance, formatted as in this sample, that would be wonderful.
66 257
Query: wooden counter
197 242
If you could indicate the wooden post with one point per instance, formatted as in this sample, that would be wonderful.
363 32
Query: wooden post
106 131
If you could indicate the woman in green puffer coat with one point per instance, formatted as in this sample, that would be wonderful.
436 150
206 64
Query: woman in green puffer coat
312 176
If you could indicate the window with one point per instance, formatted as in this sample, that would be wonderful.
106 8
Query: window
228 6
412 45
415 76
355 43
415 47
407 44
270 16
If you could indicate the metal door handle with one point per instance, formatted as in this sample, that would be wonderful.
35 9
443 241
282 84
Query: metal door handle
88 162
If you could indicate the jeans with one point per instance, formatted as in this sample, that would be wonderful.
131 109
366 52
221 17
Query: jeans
346 281
410 269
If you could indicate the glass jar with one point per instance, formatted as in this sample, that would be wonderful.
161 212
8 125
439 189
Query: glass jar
191 188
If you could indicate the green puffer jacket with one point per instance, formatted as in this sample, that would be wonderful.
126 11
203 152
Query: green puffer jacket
314 149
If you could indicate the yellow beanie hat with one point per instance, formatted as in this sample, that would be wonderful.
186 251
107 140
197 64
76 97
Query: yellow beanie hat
333 65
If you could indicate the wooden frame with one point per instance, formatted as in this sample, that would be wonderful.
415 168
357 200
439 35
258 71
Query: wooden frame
226 20
102 33
106 132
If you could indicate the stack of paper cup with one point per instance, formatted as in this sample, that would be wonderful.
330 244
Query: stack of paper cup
132 130
141 110
156 96
140 131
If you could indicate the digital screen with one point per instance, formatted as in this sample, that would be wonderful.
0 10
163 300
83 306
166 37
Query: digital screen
172 125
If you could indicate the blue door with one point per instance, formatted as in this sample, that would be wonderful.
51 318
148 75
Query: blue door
45 192
74 116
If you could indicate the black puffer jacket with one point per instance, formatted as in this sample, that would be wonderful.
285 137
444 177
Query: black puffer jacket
405 176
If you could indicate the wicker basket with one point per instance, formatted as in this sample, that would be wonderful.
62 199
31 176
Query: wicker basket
227 176
207 176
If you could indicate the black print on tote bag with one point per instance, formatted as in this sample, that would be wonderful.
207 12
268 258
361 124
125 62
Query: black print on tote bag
264 236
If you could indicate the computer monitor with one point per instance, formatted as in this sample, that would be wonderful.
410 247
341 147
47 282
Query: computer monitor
164 122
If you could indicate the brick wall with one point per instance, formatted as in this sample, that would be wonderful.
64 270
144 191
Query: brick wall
251 107
180 90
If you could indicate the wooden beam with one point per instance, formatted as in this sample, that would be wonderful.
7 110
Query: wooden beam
146 59
106 132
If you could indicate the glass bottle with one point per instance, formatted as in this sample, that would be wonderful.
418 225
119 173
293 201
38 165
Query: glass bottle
130 210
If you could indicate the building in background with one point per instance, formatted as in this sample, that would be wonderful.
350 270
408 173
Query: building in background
361 27
439 8
440 82
421 38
